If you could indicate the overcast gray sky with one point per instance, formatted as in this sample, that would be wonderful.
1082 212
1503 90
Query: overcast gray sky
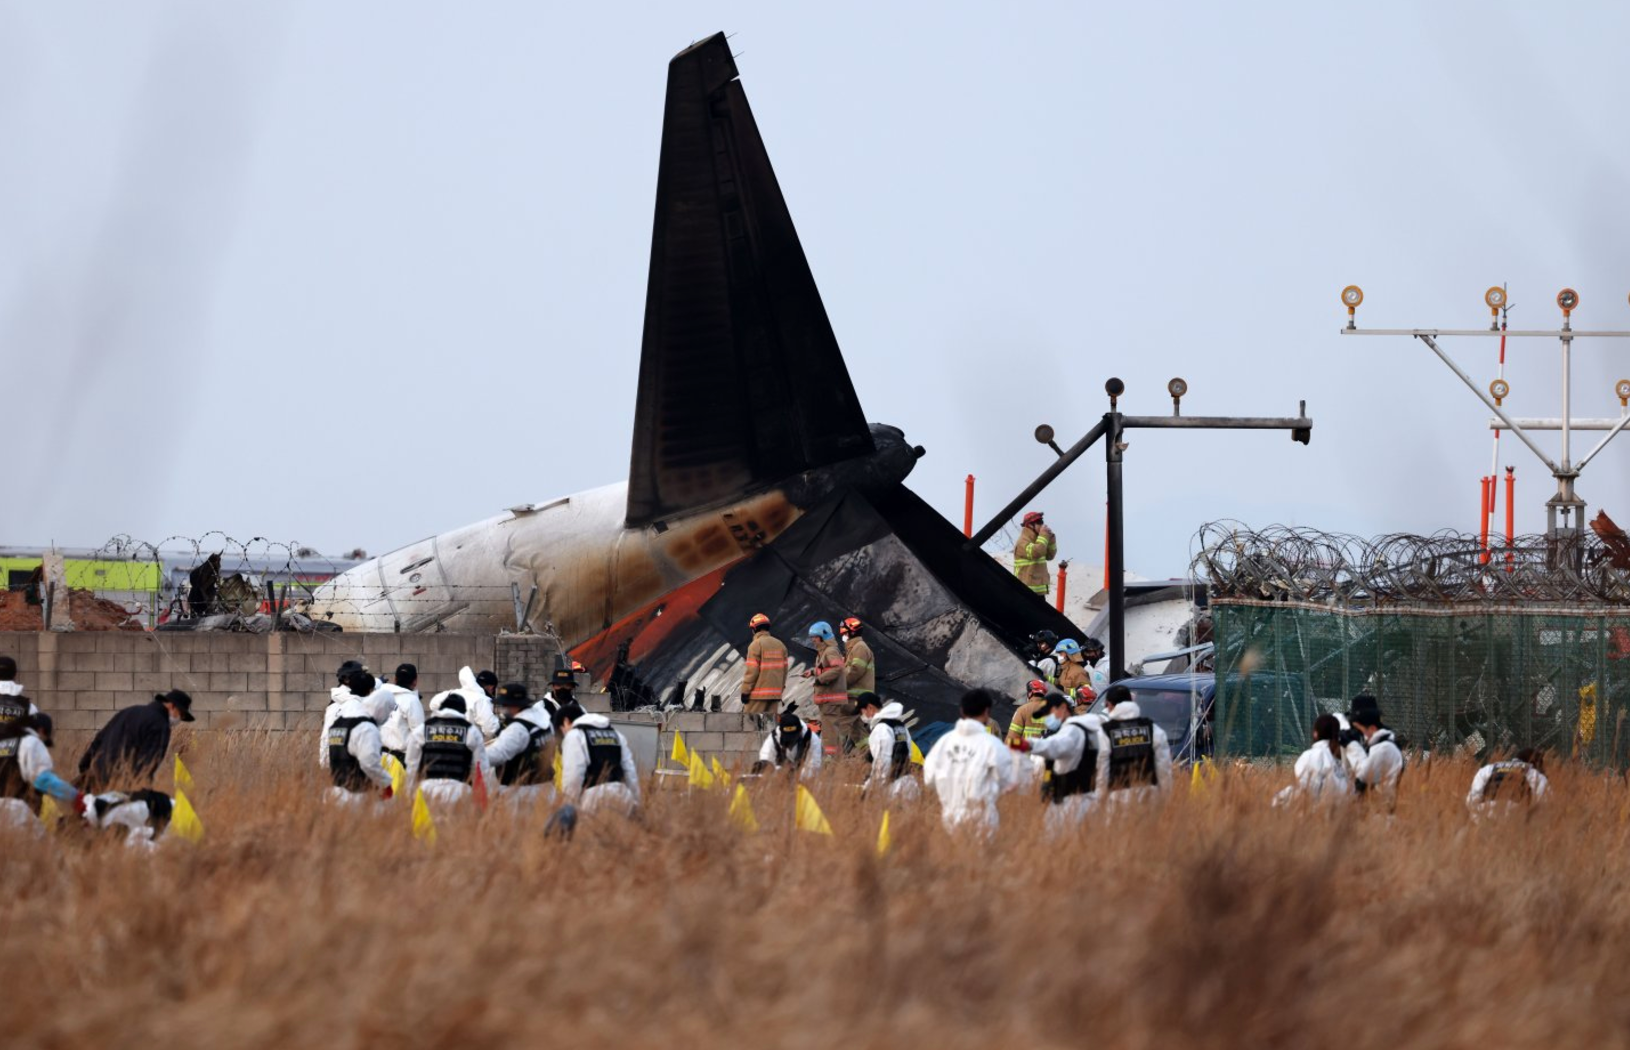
354 274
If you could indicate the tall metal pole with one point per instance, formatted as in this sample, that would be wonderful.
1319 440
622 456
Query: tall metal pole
1116 583
1567 383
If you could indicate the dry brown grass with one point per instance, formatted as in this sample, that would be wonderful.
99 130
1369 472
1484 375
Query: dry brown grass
1211 921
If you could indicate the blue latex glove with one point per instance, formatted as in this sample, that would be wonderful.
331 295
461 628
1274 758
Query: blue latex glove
48 783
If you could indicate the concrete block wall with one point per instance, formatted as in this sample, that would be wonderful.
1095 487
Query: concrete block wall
237 681
730 736
281 681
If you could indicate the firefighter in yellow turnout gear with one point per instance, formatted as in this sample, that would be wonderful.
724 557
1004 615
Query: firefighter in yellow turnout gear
861 666
1036 547
765 673
1030 720
840 717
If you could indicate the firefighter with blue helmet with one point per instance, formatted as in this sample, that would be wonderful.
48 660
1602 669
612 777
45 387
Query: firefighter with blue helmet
840 716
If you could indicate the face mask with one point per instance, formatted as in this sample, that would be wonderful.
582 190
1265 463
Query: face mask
175 720
1054 723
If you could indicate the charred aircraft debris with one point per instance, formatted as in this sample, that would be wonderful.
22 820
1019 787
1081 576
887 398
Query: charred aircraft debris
794 507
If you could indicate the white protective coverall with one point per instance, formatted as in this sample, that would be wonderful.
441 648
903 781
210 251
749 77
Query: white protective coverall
407 714
622 795
1514 800
123 812
443 790
16 689
33 762
969 769
477 704
1125 711
337 697
1378 767
363 743
881 779
1065 749
812 756
1322 776
513 740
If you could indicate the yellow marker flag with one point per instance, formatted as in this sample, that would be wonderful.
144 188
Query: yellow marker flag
1587 713
50 814
808 815
398 774
719 773
424 826
699 776
741 810
884 839
916 754
183 778
680 754
184 821
559 779
1201 774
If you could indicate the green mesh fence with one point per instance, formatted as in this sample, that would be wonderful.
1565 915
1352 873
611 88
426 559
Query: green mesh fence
1486 678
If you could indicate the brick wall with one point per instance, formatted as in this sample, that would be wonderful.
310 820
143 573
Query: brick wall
237 681
281 681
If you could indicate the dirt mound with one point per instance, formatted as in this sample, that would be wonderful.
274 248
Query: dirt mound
86 611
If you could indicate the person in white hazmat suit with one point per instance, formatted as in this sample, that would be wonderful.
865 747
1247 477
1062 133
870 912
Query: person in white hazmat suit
1376 760
27 773
12 689
478 702
1139 756
1512 786
448 753
337 698
523 755
969 769
353 745
792 744
890 747
144 814
597 768
1322 773
406 716
1073 750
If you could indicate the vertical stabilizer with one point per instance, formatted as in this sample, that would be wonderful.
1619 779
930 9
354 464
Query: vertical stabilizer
741 379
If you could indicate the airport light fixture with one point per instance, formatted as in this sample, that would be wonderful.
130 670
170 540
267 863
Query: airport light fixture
1565 511
1113 427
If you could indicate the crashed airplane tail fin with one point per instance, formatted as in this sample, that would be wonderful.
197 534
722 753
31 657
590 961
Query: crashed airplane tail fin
741 379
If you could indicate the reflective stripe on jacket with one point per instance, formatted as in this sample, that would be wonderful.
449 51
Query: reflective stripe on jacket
831 681
1029 722
765 674
1036 547
862 668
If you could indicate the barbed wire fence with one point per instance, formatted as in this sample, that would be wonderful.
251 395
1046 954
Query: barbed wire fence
1468 647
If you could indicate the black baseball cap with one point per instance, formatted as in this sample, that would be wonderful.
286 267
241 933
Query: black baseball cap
486 678
512 694
565 678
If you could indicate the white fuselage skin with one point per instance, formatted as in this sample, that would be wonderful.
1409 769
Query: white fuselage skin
591 570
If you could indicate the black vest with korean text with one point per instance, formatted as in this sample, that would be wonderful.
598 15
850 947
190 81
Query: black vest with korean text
446 754
605 764
900 759
1079 781
342 765
1131 753
525 768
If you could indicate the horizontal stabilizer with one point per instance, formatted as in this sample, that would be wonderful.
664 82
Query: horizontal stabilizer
741 379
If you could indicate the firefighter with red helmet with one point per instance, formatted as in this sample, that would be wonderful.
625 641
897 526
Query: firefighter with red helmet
861 668
1036 547
1030 720
765 673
